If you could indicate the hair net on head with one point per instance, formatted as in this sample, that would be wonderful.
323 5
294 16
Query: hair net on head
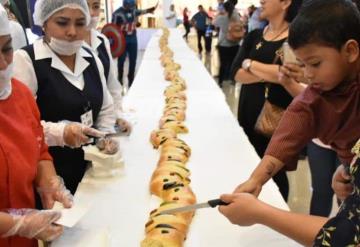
3 2
4 22
44 9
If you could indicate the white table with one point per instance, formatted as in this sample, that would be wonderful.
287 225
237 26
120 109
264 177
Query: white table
221 158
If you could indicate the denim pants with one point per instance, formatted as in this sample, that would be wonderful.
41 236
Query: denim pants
131 51
323 163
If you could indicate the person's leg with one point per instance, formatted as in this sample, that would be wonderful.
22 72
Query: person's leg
132 62
322 164
282 182
222 56
199 35
120 65
208 43
231 54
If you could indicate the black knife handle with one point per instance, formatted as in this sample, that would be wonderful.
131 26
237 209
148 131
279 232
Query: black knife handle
217 202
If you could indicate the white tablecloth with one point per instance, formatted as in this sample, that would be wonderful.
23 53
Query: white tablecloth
221 158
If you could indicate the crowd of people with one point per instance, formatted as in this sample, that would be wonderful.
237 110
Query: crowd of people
64 89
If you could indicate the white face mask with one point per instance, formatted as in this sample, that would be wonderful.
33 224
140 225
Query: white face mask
94 21
64 47
5 81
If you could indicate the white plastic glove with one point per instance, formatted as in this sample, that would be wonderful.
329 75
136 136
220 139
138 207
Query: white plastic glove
124 126
32 223
77 134
55 190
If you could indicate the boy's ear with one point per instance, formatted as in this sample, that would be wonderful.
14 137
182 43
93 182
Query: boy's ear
286 3
351 49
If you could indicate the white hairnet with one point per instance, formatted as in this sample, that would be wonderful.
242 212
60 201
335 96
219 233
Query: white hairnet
4 22
3 2
44 9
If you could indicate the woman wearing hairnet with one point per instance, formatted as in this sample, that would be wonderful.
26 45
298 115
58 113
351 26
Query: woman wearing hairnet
100 45
68 83
24 160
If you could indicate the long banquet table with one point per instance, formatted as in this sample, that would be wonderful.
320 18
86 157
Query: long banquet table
221 158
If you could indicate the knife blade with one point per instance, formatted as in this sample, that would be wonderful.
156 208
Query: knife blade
208 204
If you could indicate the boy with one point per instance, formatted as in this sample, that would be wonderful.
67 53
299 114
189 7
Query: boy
329 109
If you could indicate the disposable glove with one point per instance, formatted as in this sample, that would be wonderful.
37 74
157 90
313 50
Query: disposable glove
123 126
77 134
32 223
55 190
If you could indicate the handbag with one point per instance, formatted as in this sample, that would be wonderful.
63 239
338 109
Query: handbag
269 117
270 114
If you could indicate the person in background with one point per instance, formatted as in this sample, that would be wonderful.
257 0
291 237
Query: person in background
211 13
227 49
200 21
100 45
323 163
220 7
170 19
256 67
68 83
255 22
25 164
186 23
126 17
17 31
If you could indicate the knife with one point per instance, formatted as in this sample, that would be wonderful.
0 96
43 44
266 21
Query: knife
208 204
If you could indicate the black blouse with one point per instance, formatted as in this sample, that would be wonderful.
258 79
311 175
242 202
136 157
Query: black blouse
252 95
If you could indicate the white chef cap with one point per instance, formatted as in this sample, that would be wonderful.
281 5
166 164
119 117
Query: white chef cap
44 9
4 22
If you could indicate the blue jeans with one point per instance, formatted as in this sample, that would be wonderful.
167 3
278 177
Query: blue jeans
131 51
323 163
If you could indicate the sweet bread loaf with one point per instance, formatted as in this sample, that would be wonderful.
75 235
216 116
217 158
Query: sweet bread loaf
169 156
179 114
177 126
163 236
158 137
167 219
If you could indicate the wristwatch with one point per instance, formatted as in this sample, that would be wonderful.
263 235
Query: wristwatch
246 64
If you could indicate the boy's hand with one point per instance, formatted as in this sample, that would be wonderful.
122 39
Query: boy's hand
250 186
341 183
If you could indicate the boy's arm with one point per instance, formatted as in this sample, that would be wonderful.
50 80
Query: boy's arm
295 130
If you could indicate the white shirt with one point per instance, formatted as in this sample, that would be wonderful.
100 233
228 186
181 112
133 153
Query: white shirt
24 72
113 84
170 20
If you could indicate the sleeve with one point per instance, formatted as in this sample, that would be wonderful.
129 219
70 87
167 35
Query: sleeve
113 84
139 12
44 153
243 52
24 70
117 19
218 21
106 118
295 130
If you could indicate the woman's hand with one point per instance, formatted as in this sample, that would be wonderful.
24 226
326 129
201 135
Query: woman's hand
290 72
32 223
244 209
54 190
341 183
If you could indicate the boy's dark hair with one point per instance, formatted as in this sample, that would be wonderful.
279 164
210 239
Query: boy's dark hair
293 10
326 22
